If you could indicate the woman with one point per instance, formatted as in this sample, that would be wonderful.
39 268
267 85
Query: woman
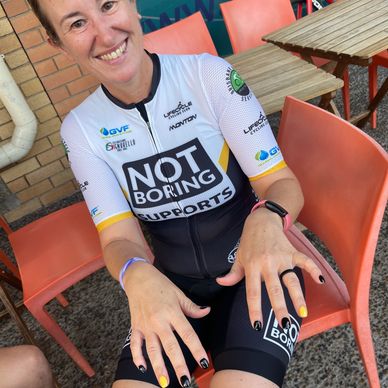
153 142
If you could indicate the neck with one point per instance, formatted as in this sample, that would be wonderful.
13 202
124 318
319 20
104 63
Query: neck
138 88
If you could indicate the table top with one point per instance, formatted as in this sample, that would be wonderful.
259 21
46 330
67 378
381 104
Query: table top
272 74
351 30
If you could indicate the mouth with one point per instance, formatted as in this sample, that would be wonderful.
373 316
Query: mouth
115 53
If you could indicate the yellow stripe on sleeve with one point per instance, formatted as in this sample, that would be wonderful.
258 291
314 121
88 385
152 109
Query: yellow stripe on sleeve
275 168
110 221
224 157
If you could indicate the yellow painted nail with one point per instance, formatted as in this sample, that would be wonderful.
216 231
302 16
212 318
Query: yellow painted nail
163 382
303 311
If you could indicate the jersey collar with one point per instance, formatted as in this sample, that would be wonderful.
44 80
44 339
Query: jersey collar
154 85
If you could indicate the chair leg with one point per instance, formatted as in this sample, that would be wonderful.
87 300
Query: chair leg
52 327
372 70
62 300
362 333
309 6
299 10
346 94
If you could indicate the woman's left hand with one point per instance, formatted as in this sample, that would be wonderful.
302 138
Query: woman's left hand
264 253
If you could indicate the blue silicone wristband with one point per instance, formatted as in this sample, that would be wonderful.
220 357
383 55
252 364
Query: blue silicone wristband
125 267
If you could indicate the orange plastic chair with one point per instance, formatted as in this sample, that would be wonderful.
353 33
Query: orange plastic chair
320 148
248 20
380 59
187 36
53 253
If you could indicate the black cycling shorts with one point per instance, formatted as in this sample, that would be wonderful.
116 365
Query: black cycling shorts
227 334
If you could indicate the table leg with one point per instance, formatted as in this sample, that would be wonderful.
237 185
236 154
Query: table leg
327 103
363 118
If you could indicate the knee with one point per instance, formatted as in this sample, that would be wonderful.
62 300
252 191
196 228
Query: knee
35 366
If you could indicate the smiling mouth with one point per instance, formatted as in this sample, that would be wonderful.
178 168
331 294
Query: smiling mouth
114 54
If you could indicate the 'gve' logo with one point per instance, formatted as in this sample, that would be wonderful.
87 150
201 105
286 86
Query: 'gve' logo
114 131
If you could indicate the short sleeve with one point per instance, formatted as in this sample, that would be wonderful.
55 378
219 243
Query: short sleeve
98 184
241 119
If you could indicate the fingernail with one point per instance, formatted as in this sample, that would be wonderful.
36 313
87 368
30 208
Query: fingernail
204 363
142 369
185 382
303 311
257 325
321 279
286 324
163 382
203 307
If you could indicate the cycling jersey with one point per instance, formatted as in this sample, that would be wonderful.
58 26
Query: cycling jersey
180 156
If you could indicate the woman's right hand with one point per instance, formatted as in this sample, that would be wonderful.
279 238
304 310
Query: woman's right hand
158 308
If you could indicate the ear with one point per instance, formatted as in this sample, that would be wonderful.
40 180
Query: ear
139 16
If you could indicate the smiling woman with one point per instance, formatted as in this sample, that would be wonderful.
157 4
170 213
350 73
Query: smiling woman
178 142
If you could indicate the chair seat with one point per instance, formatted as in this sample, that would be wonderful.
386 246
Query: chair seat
328 304
46 269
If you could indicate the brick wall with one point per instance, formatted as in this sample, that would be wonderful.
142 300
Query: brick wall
52 85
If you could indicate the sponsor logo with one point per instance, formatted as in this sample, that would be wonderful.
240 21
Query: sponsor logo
83 186
182 122
233 253
181 108
107 133
237 85
119 145
177 174
66 147
95 212
261 122
266 156
284 338
128 338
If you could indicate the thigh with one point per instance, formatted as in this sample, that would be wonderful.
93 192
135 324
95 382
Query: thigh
126 369
236 345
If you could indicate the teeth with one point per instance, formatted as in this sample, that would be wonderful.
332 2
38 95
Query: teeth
114 54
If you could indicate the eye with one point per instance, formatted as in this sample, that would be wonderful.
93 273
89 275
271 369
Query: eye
78 24
108 6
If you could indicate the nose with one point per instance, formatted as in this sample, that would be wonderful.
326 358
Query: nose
104 32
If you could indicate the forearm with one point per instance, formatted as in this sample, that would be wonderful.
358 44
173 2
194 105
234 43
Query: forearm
117 252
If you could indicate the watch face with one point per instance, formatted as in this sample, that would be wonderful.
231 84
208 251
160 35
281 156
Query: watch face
274 207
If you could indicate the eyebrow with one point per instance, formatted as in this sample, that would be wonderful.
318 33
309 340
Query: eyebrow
69 15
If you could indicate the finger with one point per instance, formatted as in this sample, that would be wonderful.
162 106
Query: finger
136 350
276 297
291 281
253 291
154 352
304 262
191 309
235 274
174 353
192 341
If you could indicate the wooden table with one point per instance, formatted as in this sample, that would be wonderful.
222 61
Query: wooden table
272 74
347 31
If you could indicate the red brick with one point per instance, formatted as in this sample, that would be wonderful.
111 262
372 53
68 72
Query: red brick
25 22
15 7
58 94
82 84
63 61
66 105
31 38
61 77
59 192
43 51
45 68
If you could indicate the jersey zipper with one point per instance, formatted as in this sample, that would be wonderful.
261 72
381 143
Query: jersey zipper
195 240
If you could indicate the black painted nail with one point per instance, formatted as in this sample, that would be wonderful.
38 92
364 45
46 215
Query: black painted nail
203 307
286 324
185 382
204 363
257 325
321 279
142 369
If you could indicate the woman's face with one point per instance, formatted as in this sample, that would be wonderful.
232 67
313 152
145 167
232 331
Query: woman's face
104 37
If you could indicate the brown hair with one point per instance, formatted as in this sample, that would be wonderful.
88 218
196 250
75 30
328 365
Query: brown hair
44 21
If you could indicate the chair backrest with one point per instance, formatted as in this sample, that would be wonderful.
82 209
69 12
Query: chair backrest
344 177
248 20
187 36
